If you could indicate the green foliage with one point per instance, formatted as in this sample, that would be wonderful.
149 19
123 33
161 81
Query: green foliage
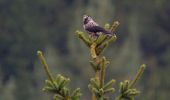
99 63
59 88
126 92
29 25
126 87
95 88
58 85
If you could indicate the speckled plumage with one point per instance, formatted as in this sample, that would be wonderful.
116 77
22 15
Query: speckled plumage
92 27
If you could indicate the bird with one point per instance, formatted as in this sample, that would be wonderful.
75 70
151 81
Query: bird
93 28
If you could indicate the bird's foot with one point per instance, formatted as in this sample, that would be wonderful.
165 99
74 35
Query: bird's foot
109 35
94 36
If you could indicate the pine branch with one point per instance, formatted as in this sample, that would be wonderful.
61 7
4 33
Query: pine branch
127 89
138 75
98 86
58 86
46 68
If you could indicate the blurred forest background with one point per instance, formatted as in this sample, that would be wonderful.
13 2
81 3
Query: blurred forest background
49 25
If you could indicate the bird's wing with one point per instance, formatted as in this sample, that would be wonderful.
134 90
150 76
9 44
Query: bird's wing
96 29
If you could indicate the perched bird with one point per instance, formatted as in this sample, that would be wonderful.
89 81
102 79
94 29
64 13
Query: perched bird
93 28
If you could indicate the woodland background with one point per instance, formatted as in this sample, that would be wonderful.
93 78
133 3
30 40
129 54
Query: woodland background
49 25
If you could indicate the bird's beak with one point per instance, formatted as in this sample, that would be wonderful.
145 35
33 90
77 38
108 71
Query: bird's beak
85 16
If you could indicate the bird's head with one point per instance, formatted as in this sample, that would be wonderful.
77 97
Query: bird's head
86 19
